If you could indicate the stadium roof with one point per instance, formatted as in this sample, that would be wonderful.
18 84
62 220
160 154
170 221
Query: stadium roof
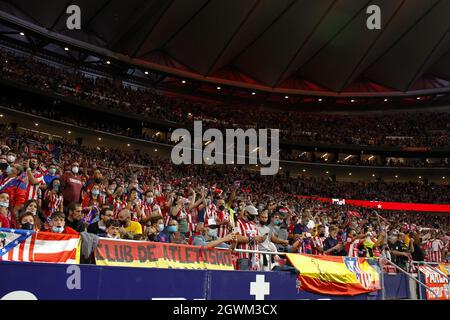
317 47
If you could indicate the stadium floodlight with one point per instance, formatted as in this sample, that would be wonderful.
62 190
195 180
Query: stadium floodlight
146 72
36 124
108 62
128 144
183 81
349 173
69 132
420 177
385 100
219 88
327 172
22 34
443 177
286 97
396 176
1 115
99 139
320 100
304 170
352 100
156 150
418 98
373 174
66 49
253 93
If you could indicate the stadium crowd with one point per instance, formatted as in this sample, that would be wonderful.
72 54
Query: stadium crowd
407 129
64 187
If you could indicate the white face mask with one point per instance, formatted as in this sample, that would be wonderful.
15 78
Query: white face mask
4 204
149 200
212 233
57 229
75 170
11 158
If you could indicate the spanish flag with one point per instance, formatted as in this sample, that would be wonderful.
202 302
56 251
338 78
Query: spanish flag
330 275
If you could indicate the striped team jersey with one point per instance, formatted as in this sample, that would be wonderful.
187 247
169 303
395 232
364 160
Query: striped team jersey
32 189
318 242
118 205
222 216
147 209
209 213
54 202
434 250
246 229
351 246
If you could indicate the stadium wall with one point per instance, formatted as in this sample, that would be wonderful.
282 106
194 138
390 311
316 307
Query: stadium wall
44 281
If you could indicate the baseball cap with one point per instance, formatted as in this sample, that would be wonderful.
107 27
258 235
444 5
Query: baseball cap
252 210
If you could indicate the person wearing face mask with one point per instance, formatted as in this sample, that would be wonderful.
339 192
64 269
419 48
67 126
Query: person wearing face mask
93 199
155 231
32 206
58 224
72 184
11 158
266 245
15 188
27 221
4 210
112 228
248 238
51 174
279 236
149 207
207 236
53 199
99 227
96 178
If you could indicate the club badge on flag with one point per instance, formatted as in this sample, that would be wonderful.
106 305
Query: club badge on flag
32 246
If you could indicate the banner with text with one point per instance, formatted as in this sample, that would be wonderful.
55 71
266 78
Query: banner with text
129 253
436 281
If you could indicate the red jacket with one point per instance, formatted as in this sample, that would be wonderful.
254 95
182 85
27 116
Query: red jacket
16 189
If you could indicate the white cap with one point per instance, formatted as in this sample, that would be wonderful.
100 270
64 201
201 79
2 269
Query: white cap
252 210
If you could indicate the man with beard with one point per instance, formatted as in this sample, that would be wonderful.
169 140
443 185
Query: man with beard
128 228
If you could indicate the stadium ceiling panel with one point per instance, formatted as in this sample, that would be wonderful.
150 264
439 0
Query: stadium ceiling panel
319 47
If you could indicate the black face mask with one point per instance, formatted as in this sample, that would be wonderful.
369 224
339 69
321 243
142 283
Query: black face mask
322 234
262 223
27 226
221 207
32 166
97 180
250 217
123 223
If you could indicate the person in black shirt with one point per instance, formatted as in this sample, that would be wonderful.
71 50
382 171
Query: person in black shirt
333 246
400 252
74 216
418 254
99 227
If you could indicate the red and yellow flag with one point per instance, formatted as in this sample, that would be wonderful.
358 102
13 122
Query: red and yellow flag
342 276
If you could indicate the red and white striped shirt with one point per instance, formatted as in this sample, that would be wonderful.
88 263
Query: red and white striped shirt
351 246
318 242
147 209
32 189
54 202
222 216
246 229
434 250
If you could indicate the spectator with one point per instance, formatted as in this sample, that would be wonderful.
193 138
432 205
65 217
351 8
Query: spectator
33 178
248 239
207 236
53 198
112 229
400 252
72 184
27 221
332 246
279 235
99 227
4 210
74 216
51 174
128 228
155 231
57 224
15 188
